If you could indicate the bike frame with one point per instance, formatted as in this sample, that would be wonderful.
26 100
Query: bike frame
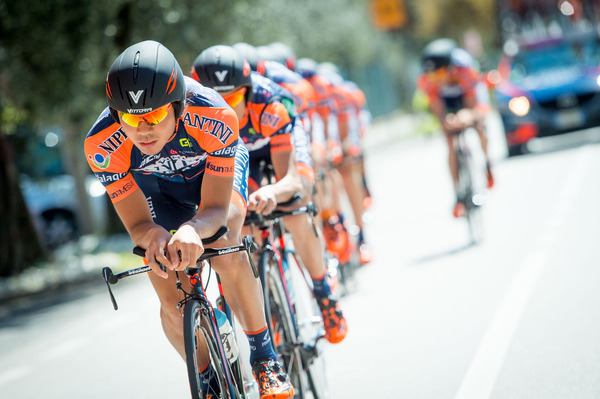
197 292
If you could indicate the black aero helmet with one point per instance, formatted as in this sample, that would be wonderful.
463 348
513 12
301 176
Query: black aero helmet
307 67
221 68
438 54
250 53
146 76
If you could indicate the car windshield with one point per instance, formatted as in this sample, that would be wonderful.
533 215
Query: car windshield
562 55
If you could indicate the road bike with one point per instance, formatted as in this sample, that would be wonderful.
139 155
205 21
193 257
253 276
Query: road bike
292 313
468 188
200 322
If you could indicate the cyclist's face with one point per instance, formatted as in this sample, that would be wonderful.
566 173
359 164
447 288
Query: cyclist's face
439 75
150 139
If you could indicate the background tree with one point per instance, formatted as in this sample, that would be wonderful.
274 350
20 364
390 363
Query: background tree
54 54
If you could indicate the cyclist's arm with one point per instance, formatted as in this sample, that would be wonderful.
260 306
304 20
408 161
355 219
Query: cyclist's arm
212 214
135 215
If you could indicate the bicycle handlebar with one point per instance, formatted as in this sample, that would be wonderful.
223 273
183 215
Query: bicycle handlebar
247 245
256 219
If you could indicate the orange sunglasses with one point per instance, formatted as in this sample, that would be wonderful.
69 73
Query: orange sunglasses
235 98
151 118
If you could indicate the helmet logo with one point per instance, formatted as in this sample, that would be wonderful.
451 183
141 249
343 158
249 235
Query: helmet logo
136 96
221 75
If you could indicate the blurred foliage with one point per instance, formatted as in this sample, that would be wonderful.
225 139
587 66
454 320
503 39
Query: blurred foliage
54 54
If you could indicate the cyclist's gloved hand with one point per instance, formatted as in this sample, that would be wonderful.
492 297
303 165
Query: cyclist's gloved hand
184 248
262 200
155 253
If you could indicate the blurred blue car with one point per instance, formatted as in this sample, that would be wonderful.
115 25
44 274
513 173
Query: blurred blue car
548 87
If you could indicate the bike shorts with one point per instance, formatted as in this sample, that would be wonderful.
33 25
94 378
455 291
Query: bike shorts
174 203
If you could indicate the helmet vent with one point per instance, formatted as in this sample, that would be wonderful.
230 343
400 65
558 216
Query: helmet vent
136 66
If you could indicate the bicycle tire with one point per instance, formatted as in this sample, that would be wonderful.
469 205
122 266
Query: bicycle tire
466 187
310 327
280 322
199 326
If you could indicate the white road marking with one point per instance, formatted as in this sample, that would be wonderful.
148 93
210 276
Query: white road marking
483 371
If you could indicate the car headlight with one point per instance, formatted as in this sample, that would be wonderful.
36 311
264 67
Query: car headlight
519 106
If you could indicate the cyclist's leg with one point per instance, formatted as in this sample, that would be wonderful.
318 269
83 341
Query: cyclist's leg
459 206
170 215
309 248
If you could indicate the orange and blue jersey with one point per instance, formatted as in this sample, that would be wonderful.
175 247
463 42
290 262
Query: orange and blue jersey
270 124
303 95
324 132
302 91
450 85
205 141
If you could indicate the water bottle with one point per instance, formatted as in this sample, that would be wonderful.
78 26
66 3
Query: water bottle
226 332
287 274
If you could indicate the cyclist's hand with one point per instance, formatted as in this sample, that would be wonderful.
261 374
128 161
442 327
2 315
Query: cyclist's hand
466 118
452 124
185 248
262 200
159 239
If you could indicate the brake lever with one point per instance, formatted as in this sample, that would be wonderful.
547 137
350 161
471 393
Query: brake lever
251 247
110 278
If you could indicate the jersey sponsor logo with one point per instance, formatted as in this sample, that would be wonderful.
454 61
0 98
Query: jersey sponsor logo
110 177
122 191
226 151
172 165
136 96
270 119
151 206
258 144
289 105
100 161
221 169
113 143
185 142
148 159
214 127
221 75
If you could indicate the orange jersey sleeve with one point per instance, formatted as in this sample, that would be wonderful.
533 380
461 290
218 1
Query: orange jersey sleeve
217 133
108 153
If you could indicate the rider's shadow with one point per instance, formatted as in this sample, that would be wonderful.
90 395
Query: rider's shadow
443 254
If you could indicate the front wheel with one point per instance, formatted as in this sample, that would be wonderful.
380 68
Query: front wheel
201 334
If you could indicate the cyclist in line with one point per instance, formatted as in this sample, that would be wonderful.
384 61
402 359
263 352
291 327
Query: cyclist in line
169 154
349 167
364 122
305 98
453 86
267 120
